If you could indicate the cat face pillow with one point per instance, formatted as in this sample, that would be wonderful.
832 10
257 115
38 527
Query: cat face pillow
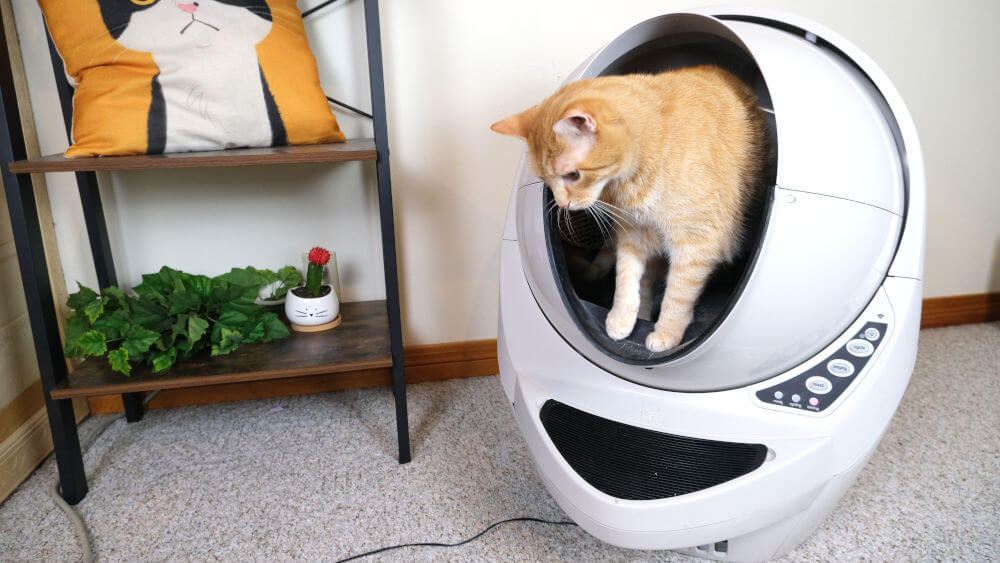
158 76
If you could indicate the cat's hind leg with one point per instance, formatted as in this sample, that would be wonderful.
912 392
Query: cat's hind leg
629 267
689 271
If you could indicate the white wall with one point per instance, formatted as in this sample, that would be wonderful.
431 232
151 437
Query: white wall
453 67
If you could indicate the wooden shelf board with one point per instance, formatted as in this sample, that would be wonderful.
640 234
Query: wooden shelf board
350 150
361 342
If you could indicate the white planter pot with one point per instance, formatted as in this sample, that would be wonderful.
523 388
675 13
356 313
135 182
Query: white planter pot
313 312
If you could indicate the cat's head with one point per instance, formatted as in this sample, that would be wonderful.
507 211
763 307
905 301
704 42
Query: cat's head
153 22
576 144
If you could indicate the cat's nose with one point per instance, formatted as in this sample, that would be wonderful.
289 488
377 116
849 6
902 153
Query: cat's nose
189 7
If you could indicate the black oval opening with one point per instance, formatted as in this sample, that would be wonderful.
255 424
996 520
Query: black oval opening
575 238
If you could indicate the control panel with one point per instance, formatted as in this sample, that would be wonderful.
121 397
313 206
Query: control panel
819 387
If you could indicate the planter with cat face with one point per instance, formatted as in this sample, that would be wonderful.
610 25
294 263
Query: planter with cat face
312 314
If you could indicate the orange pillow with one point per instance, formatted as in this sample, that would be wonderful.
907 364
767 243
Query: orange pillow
157 76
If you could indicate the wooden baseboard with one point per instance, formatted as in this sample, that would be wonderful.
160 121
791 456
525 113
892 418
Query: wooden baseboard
960 310
27 447
433 362
23 450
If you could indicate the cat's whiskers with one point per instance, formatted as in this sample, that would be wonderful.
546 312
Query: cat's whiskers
614 216
593 213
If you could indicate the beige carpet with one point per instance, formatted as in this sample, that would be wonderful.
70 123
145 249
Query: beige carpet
317 479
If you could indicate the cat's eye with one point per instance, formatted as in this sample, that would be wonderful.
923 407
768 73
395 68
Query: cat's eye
571 176
143 2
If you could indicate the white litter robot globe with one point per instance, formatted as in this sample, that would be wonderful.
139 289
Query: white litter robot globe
739 442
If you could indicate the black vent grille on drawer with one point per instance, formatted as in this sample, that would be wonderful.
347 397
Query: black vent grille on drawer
639 464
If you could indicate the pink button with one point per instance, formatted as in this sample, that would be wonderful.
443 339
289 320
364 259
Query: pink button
813 401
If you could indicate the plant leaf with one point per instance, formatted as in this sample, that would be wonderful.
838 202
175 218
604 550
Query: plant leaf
197 327
223 291
290 277
77 324
115 296
149 315
274 329
81 298
246 277
165 360
182 301
119 361
230 341
199 285
147 291
138 340
111 325
256 334
244 304
93 343
233 318
94 309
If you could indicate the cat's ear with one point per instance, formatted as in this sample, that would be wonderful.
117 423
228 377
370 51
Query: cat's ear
578 130
576 123
516 125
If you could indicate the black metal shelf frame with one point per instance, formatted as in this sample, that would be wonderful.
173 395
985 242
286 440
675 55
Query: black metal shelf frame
42 310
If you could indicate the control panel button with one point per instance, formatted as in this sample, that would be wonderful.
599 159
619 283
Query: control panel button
840 368
860 348
779 395
872 333
819 385
813 401
796 398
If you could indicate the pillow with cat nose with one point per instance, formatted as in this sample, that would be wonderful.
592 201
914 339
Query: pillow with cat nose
155 76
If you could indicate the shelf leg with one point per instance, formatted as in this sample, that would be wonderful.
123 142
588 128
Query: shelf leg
374 39
42 315
133 406
44 329
104 263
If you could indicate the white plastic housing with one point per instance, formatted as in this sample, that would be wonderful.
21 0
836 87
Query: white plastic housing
843 247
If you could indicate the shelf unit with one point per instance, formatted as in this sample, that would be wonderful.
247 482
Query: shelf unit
370 337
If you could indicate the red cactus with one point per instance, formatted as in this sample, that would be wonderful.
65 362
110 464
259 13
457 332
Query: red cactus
319 256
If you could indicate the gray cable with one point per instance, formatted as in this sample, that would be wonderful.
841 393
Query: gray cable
55 492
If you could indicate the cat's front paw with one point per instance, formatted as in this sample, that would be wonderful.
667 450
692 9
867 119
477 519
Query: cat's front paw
619 324
661 340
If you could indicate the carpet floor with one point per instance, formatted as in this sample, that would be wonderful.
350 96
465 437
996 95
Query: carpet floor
317 480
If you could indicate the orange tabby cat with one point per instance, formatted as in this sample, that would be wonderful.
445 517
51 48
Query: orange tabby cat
673 158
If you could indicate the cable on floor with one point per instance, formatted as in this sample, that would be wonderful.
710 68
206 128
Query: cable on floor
463 542
55 491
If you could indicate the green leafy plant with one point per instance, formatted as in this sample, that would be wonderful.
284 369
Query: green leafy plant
288 277
172 316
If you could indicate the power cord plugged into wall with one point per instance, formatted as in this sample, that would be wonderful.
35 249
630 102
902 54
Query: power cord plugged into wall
83 533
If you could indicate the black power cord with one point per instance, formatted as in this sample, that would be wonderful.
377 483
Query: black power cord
463 542
318 7
352 108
